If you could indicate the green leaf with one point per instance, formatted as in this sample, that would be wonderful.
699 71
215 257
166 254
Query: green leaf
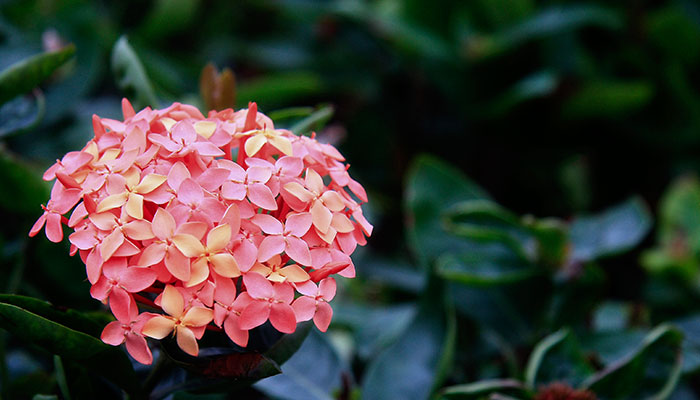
610 232
415 365
652 371
608 99
22 114
673 31
610 346
690 326
131 76
549 22
557 358
25 75
232 369
478 390
59 339
374 328
169 16
487 266
278 89
89 323
486 221
535 86
28 189
314 122
316 355
432 187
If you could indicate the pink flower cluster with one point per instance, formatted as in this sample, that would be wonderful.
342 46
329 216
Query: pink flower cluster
219 221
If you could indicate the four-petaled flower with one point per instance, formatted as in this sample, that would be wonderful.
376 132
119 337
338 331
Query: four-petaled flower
186 324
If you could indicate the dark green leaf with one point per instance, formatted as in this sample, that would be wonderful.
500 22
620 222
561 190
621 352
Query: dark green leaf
168 16
314 373
25 75
431 188
549 22
415 365
690 326
89 323
313 122
613 231
276 90
651 371
607 347
28 192
21 114
373 327
102 359
231 369
674 32
557 358
478 390
131 76
608 99
489 265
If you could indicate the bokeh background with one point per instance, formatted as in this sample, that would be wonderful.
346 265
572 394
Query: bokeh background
531 168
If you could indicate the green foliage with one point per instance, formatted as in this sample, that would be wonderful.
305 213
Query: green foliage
25 75
38 328
498 141
131 76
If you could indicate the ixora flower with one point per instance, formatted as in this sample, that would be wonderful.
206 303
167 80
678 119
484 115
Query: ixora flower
219 221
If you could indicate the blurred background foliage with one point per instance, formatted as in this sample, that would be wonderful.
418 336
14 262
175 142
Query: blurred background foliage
531 167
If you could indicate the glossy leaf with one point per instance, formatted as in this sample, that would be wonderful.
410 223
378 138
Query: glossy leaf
690 326
28 190
108 361
610 232
608 99
431 188
557 358
228 369
131 76
651 371
21 114
276 90
313 122
489 265
295 381
409 371
25 75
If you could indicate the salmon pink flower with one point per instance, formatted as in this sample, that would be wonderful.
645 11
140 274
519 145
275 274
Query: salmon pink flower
210 222
186 324
127 328
268 301
314 302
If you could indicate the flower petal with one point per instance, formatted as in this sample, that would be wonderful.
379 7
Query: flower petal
158 327
323 316
257 286
113 333
261 196
163 224
189 245
138 348
304 308
187 341
270 247
218 237
172 302
198 316
282 317
255 314
225 265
